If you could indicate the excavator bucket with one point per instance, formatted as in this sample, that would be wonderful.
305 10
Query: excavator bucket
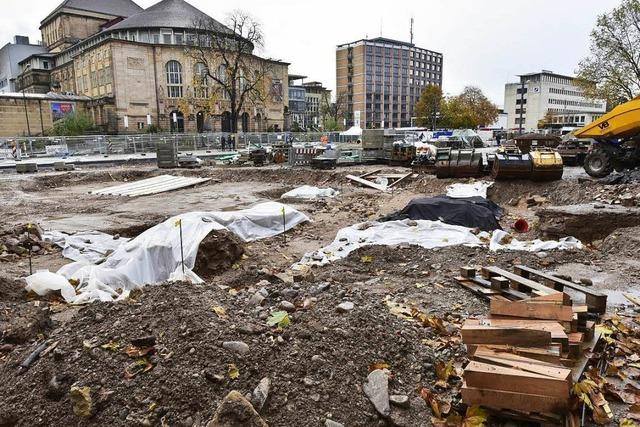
458 163
510 165
546 165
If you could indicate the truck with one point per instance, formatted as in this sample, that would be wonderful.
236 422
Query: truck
616 138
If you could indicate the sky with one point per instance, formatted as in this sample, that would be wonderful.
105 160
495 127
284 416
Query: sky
485 43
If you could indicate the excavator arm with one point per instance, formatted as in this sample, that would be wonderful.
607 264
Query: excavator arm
621 122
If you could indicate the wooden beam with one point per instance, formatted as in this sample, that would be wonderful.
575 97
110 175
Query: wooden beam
520 281
489 376
512 400
549 354
367 183
475 333
597 301
532 309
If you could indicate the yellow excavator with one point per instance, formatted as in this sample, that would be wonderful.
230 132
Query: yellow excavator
617 140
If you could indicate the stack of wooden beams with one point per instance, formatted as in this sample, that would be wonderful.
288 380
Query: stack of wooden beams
528 352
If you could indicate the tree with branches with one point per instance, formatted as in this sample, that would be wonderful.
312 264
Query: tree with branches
428 106
333 111
612 70
469 110
227 53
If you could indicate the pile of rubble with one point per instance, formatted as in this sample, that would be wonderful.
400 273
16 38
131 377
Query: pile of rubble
22 239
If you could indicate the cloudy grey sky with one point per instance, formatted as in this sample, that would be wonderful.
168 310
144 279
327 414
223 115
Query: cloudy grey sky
485 43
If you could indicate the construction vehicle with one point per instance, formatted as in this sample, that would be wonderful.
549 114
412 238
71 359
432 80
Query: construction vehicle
617 140
539 164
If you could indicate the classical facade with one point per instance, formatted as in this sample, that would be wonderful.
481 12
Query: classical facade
134 66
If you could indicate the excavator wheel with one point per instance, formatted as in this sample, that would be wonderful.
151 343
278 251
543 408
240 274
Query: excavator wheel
598 163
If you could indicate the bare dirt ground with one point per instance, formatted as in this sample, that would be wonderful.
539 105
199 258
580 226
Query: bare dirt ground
318 364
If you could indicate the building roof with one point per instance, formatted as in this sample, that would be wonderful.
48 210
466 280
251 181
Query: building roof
169 14
384 40
108 7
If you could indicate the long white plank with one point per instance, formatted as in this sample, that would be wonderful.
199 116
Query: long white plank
155 185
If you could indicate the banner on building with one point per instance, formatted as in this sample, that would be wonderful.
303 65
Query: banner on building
356 118
61 109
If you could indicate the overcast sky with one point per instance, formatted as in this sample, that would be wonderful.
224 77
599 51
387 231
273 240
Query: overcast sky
485 43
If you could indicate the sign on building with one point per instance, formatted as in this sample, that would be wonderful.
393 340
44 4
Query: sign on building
61 109
356 118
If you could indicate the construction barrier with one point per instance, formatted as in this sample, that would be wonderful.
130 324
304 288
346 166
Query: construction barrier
302 156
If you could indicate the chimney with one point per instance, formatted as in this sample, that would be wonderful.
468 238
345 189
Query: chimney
23 40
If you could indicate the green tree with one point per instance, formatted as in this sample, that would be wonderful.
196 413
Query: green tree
72 124
468 110
612 69
428 105
333 112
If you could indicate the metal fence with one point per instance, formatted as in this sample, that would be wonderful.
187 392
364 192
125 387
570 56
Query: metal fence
61 146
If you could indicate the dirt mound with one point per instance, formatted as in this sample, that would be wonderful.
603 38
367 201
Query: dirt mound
21 322
218 252
85 177
11 289
623 241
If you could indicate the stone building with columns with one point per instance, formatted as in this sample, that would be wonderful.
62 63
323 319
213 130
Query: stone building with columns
133 66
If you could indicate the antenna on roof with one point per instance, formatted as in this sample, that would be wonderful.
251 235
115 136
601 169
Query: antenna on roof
380 27
411 30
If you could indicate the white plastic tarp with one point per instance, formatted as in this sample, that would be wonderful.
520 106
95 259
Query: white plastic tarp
86 246
501 240
474 189
428 234
352 131
309 192
155 255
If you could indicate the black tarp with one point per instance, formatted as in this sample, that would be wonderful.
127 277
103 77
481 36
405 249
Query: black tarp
472 212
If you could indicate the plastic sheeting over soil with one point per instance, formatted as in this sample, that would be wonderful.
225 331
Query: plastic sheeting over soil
475 189
424 233
88 246
310 193
155 255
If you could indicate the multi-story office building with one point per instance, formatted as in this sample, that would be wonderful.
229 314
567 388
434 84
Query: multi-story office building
382 79
547 94
316 96
297 102
10 56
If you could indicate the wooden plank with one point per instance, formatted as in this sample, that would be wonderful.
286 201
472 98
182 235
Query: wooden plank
467 272
582 362
597 301
393 184
495 271
558 334
532 309
488 376
371 173
367 183
499 283
513 401
511 293
550 355
474 333
528 365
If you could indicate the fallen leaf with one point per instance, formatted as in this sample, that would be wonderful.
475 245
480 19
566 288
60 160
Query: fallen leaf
137 367
379 365
280 318
475 417
81 401
626 422
111 346
444 371
133 351
220 311
366 259
233 371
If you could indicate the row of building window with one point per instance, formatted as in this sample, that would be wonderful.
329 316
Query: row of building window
565 92
574 103
404 53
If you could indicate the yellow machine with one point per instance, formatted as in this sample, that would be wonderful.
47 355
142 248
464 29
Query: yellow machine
617 136
546 165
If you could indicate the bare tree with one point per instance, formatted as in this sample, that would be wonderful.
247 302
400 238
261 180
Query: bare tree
228 56
332 112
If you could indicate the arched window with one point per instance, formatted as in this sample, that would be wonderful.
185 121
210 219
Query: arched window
200 82
174 79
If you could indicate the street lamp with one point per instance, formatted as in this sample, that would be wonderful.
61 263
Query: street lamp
24 99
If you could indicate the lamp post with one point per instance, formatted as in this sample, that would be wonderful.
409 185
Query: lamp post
24 99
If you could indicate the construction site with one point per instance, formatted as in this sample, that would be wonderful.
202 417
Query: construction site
384 283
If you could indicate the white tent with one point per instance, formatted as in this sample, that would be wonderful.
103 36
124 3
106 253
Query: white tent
353 131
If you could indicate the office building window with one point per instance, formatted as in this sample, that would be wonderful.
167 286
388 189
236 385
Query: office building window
174 79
